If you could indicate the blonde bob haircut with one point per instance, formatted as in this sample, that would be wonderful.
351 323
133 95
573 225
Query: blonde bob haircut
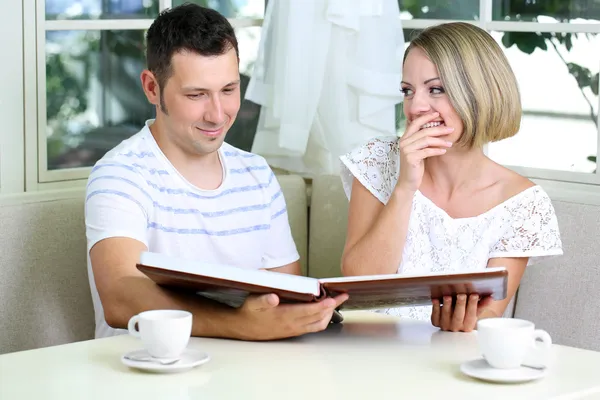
477 78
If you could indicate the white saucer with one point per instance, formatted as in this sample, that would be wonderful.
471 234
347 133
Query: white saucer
480 369
189 359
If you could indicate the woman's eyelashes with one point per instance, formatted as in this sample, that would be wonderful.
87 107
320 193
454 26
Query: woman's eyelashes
435 90
406 91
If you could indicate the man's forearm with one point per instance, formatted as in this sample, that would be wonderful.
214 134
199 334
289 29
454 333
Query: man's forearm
136 294
292 268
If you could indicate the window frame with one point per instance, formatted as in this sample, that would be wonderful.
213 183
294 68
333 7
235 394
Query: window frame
12 143
37 174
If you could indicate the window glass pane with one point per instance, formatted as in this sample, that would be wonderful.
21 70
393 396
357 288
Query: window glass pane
436 9
94 98
231 8
558 80
547 11
101 9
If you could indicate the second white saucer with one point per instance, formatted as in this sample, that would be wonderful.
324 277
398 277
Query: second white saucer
480 369
189 359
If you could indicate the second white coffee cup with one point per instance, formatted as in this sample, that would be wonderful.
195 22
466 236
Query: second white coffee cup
164 333
509 343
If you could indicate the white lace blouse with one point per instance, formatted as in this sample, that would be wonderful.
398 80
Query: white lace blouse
523 226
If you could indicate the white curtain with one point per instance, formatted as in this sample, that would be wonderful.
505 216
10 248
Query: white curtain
327 77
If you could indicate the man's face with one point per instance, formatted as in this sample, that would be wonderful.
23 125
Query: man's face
202 99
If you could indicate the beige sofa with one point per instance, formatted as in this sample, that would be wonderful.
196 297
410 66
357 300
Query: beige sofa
45 299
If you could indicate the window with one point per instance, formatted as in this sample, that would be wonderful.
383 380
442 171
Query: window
88 94
559 94
76 94
554 50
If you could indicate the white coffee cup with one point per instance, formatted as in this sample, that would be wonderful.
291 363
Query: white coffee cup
164 333
509 343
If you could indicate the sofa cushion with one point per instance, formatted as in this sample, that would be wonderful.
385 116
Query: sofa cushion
559 294
294 192
44 291
327 226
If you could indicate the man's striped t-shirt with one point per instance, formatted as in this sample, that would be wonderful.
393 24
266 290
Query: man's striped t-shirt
135 192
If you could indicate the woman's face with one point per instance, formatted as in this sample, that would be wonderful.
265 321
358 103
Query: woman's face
424 94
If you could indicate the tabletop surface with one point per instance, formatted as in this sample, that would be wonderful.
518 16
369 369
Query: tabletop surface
368 356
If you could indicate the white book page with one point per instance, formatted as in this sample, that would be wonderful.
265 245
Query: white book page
293 283
397 276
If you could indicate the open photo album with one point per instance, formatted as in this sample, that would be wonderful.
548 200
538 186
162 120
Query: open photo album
230 285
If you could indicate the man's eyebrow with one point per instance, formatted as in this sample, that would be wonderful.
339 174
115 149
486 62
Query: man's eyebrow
199 89
232 83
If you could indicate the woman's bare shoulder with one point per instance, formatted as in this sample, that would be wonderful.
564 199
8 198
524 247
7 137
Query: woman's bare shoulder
510 182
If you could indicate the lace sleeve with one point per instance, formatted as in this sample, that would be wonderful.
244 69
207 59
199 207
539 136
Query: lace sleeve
533 230
375 165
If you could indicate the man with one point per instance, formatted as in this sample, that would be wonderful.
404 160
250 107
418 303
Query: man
176 188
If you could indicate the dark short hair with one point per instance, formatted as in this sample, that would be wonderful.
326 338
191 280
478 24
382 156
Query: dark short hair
188 27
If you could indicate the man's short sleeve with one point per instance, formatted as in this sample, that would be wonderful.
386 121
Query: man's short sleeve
117 204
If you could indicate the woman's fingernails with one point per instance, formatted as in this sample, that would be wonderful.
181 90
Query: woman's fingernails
449 129
449 144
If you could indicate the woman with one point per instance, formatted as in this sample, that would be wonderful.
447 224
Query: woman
432 200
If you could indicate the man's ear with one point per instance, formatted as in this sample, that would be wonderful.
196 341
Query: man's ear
150 86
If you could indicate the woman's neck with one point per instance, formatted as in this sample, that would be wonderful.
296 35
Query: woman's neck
457 170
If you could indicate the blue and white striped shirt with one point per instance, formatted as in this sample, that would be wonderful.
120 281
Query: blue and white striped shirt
135 192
